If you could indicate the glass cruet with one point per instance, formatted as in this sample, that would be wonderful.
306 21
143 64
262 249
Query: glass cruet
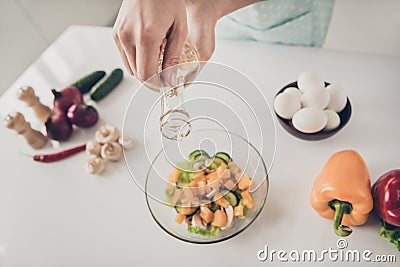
174 119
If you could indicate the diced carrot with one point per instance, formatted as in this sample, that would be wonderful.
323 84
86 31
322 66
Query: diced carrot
173 176
245 194
247 199
180 218
238 176
229 184
238 211
206 214
196 201
244 183
214 185
201 188
220 218
186 210
248 203
187 195
234 168
193 183
221 169
221 201
226 174
212 176
198 175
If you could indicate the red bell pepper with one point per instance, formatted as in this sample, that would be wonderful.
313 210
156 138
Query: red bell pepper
386 194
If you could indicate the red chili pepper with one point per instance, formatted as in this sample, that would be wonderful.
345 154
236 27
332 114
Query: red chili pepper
59 155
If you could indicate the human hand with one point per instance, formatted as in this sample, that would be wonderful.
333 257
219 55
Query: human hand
202 15
140 29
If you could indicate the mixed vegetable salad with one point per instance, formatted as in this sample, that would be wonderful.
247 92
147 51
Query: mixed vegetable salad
209 193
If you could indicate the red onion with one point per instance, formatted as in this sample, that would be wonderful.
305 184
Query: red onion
58 127
65 98
82 115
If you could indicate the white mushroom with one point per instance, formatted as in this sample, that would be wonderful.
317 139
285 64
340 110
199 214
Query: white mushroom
96 165
106 133
127 141
229 214
198 166
111 151
196 221
93 148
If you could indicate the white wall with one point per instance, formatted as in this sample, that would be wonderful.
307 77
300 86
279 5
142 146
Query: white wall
371 26
27 27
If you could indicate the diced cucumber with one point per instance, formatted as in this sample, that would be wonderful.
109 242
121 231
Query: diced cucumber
106 85
185 166
213 165
169 192
244 210
218 161
214 206
224 156
197 154
86 83
230 197
184 178
238 194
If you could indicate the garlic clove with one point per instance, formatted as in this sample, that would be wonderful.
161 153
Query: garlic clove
111 151
96 165
106 133
127 142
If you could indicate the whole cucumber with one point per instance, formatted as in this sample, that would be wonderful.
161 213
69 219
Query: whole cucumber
86 83
106 85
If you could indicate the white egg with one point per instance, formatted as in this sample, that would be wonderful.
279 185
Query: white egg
286 105
338 98
333 120
309 80
316 98
293 90
309 120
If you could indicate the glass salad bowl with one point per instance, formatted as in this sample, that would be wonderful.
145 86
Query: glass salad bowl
207 187
198 159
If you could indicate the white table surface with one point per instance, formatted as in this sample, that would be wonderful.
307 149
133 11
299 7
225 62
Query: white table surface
58 215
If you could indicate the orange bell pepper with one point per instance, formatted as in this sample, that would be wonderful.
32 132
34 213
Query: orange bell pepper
342 191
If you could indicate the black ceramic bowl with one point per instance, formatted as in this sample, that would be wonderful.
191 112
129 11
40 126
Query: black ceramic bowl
344 115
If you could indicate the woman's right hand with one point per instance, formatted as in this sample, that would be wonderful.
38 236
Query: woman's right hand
140 29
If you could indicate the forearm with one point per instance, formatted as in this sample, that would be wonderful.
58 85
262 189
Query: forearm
215 9
228 6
